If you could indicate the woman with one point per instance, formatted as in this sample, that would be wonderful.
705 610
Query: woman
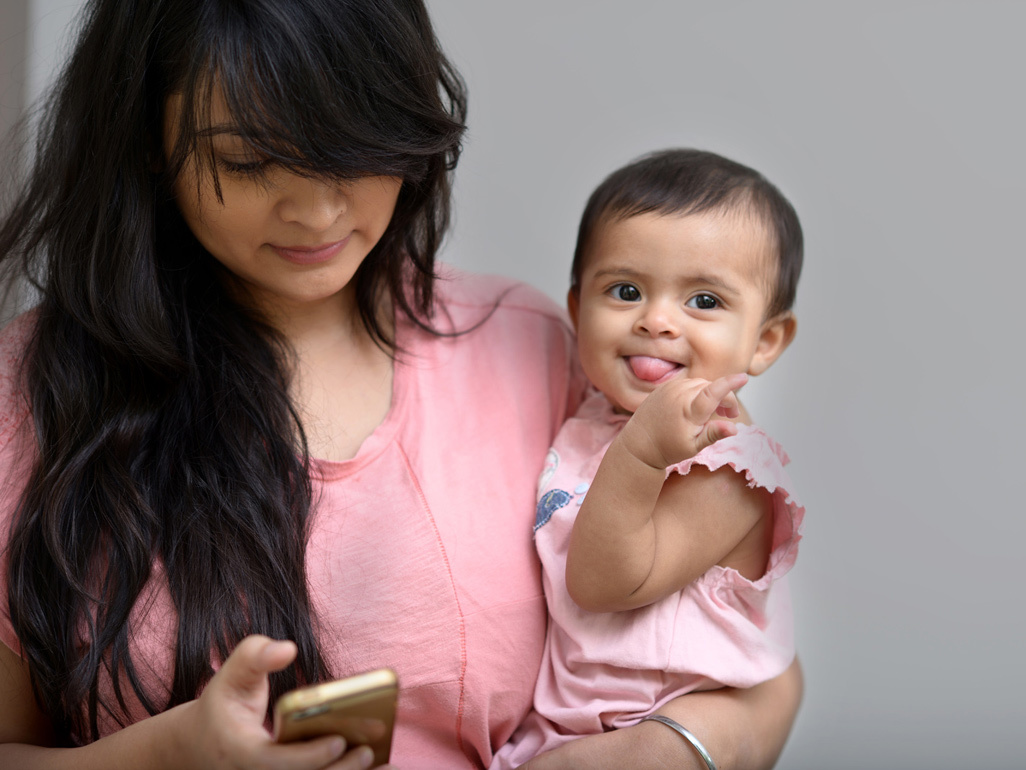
245 408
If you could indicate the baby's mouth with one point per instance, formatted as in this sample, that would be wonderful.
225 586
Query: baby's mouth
652 369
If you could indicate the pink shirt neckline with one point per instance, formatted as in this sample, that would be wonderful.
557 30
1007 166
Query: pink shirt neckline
372 446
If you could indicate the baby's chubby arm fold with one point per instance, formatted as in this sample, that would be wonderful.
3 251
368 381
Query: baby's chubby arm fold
640 536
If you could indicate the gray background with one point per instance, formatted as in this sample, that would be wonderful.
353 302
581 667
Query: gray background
896 129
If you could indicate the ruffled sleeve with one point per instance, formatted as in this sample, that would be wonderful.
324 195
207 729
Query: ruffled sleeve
730 629
761 460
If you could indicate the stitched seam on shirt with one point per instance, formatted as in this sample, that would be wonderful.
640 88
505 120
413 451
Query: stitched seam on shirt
459 609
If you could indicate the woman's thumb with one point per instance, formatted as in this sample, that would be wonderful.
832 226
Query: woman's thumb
246 669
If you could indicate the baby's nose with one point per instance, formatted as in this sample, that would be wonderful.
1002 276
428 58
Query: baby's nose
659 320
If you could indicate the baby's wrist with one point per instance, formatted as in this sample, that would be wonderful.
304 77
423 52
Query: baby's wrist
637 443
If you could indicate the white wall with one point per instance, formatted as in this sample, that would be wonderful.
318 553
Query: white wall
13 22
34 35
50 27
896 129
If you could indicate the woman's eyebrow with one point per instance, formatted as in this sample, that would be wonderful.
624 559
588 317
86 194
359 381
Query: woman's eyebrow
219 130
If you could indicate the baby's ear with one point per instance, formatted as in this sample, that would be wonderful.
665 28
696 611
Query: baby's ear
573 305
774 337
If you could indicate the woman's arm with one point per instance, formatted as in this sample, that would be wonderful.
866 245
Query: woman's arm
26 736
741 729
223 728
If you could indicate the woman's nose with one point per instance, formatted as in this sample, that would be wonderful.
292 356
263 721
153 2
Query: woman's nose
658 319
315 203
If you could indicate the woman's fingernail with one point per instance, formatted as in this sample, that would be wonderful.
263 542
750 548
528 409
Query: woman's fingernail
338 745
366 756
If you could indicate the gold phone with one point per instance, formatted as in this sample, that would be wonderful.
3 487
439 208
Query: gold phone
360 708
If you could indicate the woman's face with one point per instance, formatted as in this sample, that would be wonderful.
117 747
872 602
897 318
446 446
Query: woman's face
292 241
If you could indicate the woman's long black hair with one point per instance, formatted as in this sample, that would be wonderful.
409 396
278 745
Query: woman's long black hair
166 436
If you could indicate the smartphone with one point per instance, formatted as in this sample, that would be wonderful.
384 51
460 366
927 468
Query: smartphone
360 708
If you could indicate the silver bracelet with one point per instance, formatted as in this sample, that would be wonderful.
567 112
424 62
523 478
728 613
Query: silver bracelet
696 744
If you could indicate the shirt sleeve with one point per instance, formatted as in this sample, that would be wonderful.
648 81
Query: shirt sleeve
16 454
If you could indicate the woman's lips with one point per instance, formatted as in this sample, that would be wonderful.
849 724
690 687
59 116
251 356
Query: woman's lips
652 369
310 255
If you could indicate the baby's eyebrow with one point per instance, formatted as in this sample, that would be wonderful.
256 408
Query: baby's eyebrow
618 272
713 282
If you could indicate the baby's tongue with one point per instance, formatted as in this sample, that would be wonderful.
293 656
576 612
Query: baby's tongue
650 369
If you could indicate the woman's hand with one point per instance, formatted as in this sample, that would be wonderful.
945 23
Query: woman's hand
224 728
640 746
221 730
742 730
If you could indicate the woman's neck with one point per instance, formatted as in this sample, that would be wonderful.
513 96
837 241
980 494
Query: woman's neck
342 379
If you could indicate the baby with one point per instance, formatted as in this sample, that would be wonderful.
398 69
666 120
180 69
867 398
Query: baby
665 521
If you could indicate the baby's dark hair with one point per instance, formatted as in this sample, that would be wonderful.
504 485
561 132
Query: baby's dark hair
687 181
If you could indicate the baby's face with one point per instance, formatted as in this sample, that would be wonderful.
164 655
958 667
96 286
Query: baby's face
663 295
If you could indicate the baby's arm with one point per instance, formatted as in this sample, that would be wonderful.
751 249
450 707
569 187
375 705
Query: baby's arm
640 536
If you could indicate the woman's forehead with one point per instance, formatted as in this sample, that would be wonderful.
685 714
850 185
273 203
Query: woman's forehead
209 107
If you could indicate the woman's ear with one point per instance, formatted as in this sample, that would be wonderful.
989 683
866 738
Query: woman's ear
154 154
774 337
572 305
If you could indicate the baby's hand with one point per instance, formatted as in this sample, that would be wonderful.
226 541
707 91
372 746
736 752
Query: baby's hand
676 421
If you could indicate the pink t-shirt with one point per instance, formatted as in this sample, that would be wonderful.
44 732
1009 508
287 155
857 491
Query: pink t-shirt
608 670
420 556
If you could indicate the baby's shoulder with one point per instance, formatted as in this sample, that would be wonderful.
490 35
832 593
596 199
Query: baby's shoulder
753 442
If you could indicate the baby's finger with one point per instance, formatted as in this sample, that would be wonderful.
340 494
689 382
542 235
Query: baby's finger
729 407
716 430
719 394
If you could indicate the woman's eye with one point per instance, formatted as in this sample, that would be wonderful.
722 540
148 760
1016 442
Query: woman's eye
243 167
703 302
626 292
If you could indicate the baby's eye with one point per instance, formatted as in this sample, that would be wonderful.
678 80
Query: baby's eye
626 292
703 302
